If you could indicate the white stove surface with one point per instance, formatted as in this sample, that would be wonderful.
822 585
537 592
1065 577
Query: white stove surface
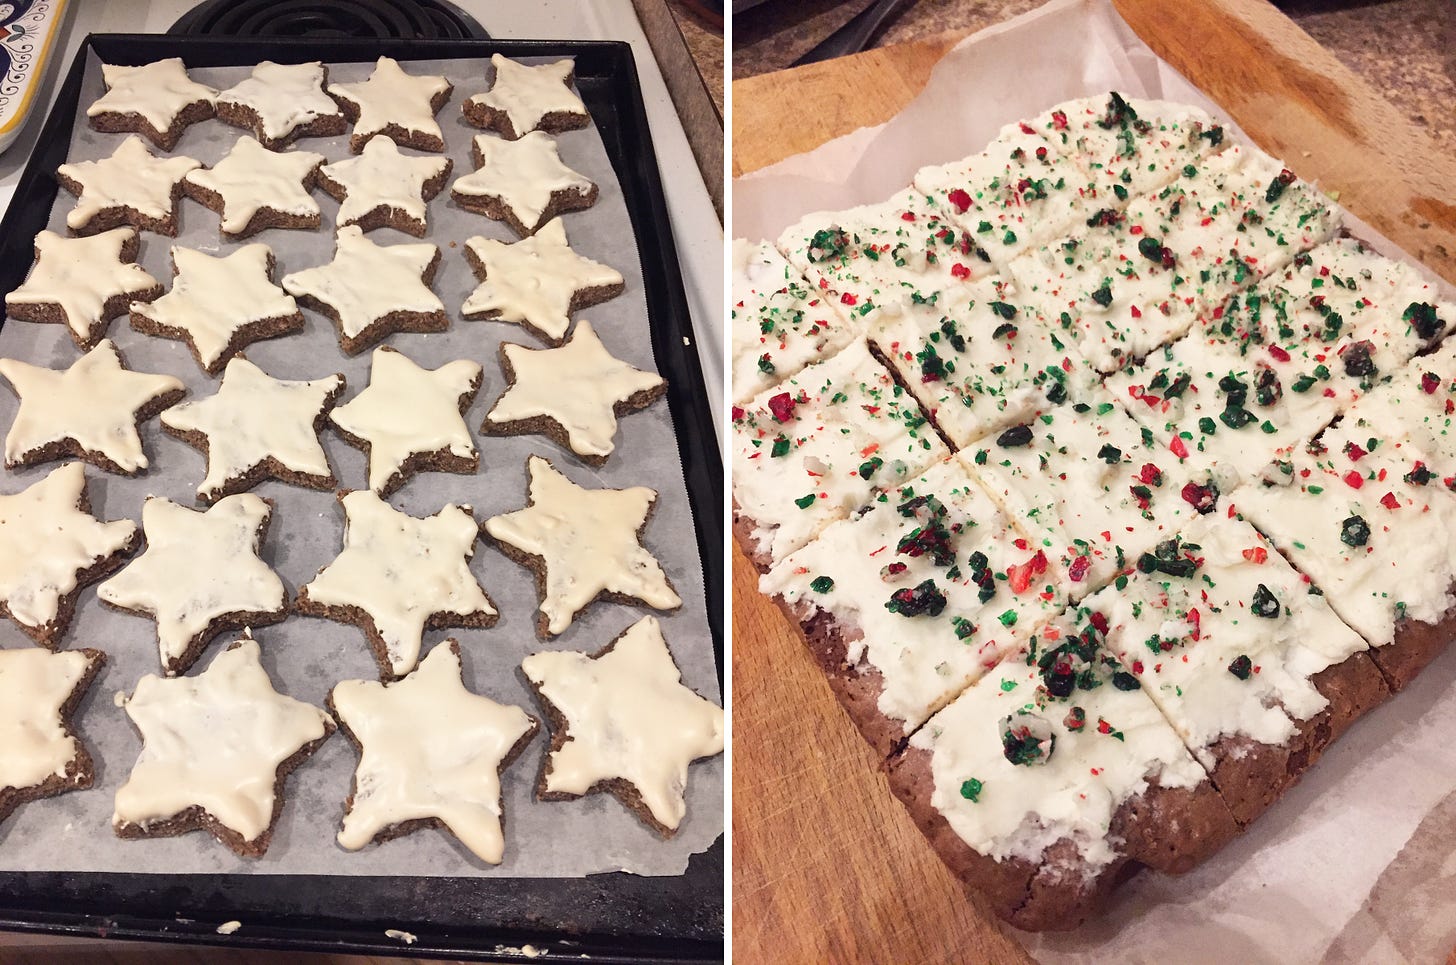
695 225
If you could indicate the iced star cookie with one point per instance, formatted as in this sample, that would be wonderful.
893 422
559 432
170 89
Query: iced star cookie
398 575
411 419
395 104
583 545
280 103
216 751
220 304
131 187
82 283
372 291
253 188
50 547
257 427
157 100
430 755
384 188
536 282
523 183
524 98
40 756
622 721
201 574
583 418
90 410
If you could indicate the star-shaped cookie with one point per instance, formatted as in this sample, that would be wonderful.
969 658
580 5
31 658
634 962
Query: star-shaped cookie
523 98
573 394
200 575
220 304
523 183
623 722
82 283
253 188
39 692
397 575
50 547
131 187
280 103
216 751
583 545
90 410
372 290
430 755
384 187
257 427
397 104
536 282
157 100
411 419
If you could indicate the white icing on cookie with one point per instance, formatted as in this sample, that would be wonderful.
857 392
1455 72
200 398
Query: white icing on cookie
213 297
157 92
132 177
429 748
534 280
587 540
94 403
367 281
214 741
391 96
528 93
628 716
407 409
578 385
401 570
46 542
254 418
252 178
81 275
522 174
285 96
34 685
197 568
382 177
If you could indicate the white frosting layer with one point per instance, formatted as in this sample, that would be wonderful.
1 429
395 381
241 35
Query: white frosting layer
157 92
587 540
252 178
367 281
429 748
401 570
392 96
213 297
132 177
198 566
34 685
214 741
628 716
595 383
286 96
81 275
382 177
1419 402
534 280
45 541
522 174
407 409
94 402
253 418
528 93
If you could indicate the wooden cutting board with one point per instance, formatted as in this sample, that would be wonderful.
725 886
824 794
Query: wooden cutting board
827 867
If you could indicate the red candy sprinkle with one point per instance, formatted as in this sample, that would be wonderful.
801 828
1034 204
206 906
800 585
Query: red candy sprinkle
1430 382
1020 577
1151 474
1256 554
1077 571
960 271
1027 128
960 199
737 412
1389 501
1199 497
1354 452
1099 620
847 299
1195 625
782 407
1059 120
1354 480
908 216
1279 353
1178 448
1136 312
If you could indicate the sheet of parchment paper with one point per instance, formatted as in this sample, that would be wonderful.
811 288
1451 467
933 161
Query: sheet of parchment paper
307 656
1301 875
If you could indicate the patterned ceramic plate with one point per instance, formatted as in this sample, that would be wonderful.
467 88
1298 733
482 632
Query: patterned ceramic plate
27 31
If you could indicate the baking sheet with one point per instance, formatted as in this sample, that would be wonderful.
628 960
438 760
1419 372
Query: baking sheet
307 656
1322 876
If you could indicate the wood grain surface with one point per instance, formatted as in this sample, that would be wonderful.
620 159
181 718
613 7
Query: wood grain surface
826 865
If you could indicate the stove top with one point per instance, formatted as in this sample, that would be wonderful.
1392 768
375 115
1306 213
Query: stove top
409 19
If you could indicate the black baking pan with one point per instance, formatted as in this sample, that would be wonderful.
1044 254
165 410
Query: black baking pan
605 918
